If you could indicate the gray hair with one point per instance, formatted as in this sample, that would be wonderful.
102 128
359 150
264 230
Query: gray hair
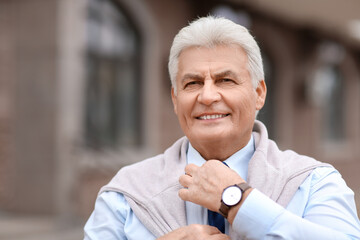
213 31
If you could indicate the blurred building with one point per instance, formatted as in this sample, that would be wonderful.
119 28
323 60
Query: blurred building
84 89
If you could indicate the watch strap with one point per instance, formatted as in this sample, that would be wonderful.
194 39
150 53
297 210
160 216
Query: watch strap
243 186
224 209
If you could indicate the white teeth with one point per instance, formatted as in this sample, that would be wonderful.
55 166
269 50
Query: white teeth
215 116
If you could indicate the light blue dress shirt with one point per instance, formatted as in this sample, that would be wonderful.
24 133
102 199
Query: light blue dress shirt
322 208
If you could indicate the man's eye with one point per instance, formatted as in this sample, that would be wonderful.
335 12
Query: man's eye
192 83
226 80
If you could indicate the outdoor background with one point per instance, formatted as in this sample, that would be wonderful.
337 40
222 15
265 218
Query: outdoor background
84 90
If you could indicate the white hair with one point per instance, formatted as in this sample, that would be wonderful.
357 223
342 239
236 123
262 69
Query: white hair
213 31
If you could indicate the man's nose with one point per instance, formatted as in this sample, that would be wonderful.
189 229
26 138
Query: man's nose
209 93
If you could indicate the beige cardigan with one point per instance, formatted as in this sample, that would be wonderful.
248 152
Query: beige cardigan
151 186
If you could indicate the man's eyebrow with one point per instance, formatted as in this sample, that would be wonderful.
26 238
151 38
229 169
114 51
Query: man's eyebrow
226 73
193 76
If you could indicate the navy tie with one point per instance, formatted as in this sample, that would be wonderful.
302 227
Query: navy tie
216 219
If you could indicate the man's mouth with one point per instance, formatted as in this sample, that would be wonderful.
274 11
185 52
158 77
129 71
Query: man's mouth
212 116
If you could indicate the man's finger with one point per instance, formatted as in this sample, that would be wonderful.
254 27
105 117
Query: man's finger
204 229
219 237
190 169
184 194
212 230
185 180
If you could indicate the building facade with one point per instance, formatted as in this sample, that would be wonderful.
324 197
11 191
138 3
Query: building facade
84 90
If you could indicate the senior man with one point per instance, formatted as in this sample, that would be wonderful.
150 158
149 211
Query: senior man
225 164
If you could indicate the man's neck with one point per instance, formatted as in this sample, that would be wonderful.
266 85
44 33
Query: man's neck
219 150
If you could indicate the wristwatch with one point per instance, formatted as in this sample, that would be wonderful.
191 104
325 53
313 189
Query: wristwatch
231 196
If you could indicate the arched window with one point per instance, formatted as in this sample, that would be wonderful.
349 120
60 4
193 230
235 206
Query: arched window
333 108
112 117
327 92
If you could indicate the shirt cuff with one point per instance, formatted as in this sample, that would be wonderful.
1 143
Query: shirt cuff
256 216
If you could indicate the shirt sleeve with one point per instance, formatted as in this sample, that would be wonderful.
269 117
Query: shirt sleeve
107 221
327 211
113 218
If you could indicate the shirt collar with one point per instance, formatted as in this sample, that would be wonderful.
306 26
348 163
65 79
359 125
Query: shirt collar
238 161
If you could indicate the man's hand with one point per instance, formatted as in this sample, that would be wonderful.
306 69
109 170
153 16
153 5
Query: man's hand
204 185
195 232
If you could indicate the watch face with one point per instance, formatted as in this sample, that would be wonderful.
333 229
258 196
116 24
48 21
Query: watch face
231 195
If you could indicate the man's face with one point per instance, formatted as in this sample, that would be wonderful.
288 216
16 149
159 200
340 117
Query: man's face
215 100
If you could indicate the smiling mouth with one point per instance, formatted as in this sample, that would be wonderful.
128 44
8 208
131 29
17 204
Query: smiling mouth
212 116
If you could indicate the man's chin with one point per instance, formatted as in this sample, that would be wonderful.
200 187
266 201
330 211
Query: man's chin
208 136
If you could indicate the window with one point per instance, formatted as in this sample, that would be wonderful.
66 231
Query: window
331 88
112 115
327 92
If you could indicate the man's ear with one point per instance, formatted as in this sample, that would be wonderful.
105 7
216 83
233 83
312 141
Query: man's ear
261 94
174 99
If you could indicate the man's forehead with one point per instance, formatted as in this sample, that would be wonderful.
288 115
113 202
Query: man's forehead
215 70
197 62
195 58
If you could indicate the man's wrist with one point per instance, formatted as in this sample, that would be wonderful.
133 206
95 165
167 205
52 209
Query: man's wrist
233 210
